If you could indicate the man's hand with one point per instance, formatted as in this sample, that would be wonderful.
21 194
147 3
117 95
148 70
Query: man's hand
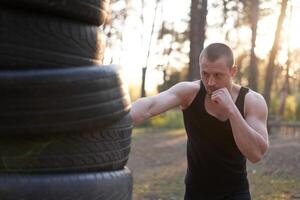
223 98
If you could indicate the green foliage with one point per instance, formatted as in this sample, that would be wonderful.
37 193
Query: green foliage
170 120
273 110
134 92
290 108
298 107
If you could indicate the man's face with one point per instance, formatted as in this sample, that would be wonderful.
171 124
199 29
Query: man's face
215 75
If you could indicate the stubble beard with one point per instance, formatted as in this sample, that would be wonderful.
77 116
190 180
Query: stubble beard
210 91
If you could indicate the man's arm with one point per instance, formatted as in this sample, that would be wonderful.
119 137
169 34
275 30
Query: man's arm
251 134
179 95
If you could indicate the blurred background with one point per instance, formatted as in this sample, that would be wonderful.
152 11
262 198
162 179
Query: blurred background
158 42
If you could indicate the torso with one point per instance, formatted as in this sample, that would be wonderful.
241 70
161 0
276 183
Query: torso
211 149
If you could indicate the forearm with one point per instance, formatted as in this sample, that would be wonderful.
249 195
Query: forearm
251 144
147 107
140 110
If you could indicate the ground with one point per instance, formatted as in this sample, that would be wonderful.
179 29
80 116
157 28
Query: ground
158 164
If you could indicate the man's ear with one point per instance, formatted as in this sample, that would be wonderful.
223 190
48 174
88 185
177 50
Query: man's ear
233 70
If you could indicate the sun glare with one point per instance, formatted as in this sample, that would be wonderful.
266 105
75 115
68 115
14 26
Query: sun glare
132 52
289 35
136 40
294 30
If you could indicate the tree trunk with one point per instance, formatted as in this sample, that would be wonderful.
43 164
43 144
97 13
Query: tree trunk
144 69
273 53
284 93
253 73
143 90
238 62
197 36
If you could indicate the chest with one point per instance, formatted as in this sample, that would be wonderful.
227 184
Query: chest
214 109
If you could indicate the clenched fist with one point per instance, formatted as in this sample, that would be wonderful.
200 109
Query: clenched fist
223 98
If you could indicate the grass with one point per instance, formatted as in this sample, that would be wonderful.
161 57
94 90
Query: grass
266 187
172 188
161 186
141 133
158 179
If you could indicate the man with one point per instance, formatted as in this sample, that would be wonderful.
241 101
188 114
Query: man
225 124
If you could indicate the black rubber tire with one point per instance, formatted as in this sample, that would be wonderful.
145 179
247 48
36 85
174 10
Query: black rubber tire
114 185
89 11
31 41
89 151
62 100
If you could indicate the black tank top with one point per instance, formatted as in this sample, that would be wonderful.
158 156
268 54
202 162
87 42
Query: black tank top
215 163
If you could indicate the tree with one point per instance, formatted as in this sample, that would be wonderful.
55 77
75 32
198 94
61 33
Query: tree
144 69
253 73
116 18
246 13
173 78
273 53
114 29
171 52
197 36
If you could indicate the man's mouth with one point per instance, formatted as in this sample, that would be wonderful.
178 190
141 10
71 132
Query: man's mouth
210 90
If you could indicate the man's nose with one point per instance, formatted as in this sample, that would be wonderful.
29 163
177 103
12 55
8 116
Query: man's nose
211 81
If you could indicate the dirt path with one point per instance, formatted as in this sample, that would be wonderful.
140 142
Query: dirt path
283 158
158 163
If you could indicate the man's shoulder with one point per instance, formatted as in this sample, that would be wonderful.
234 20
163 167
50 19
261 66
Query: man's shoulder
254 96
251 95
188 86
255 101
186 91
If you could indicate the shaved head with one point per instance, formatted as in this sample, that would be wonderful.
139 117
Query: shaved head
215 51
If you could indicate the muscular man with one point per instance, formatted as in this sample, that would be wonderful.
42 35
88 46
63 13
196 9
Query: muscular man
225 125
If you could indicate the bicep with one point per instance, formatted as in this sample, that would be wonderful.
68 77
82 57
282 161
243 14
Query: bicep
176 96
256 115
163 102
257 124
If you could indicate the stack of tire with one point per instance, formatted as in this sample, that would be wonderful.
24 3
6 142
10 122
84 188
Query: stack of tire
64 124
